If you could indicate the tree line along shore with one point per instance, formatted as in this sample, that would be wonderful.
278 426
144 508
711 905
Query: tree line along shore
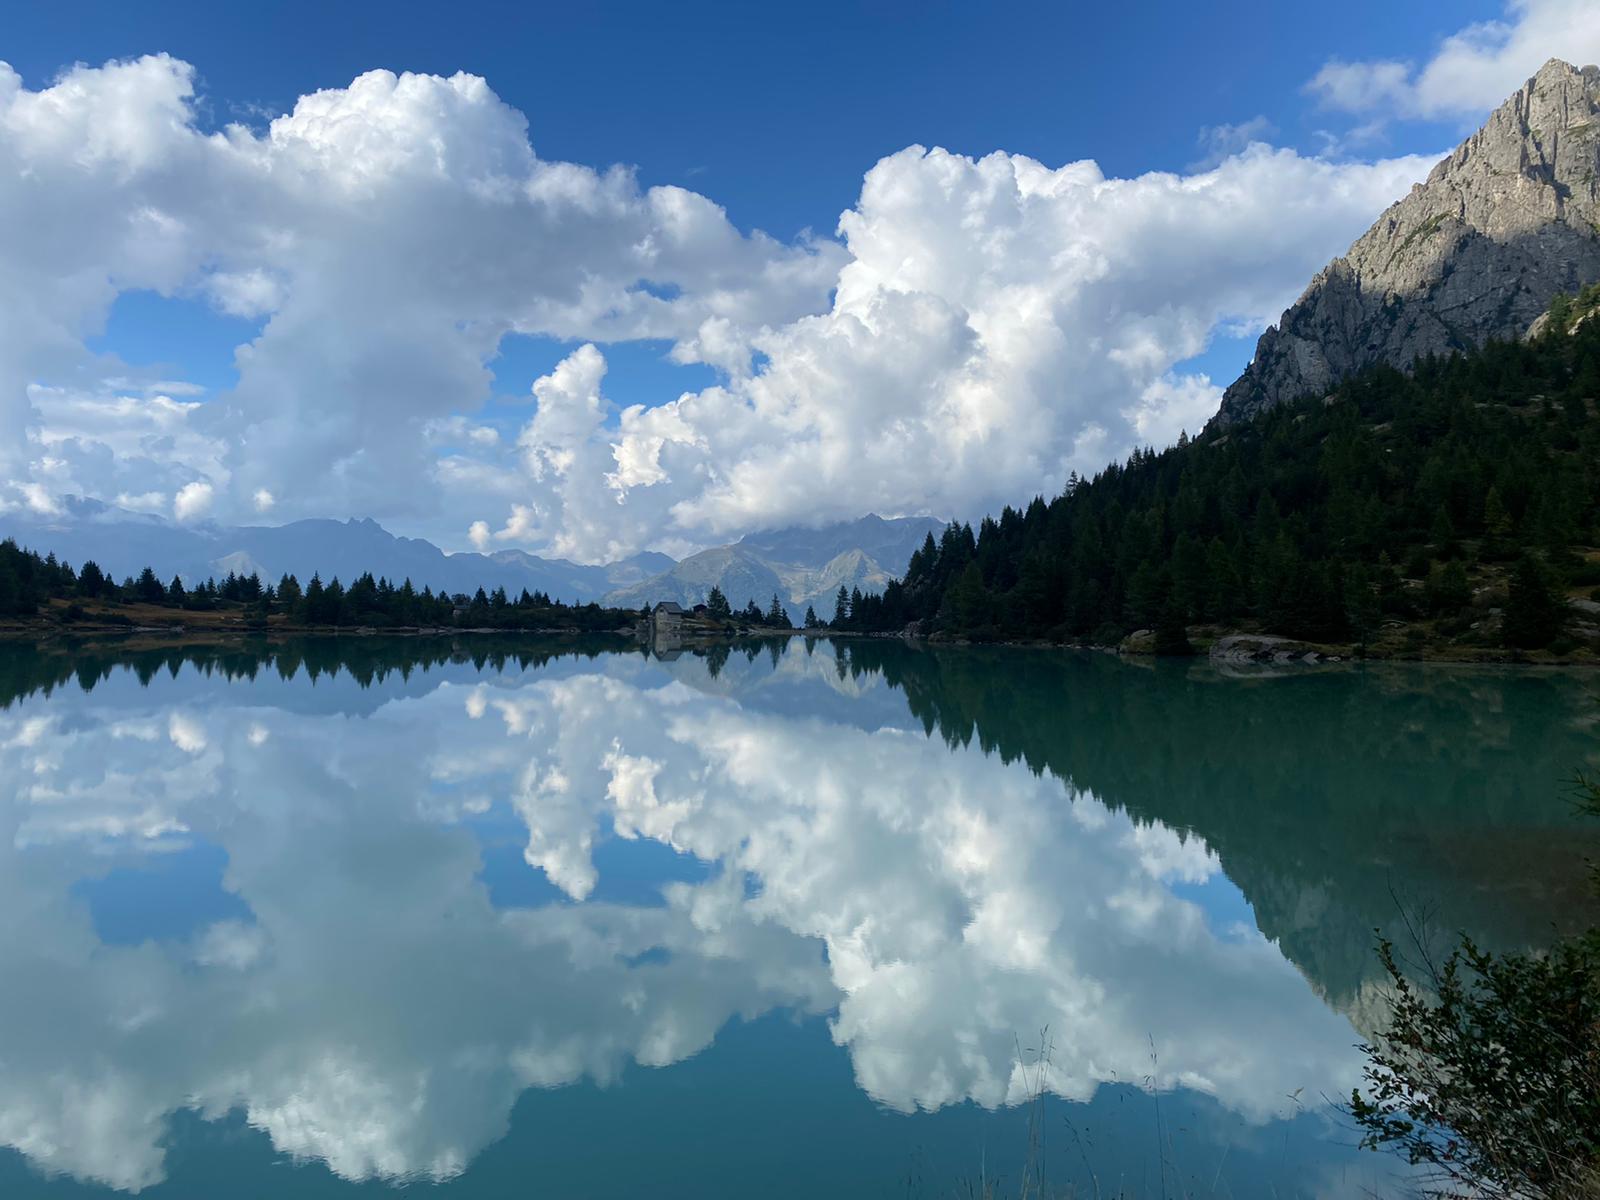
1452 511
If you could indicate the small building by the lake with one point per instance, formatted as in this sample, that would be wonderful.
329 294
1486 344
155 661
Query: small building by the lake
666 619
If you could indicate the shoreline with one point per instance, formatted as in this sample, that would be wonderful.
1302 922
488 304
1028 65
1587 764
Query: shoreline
1269 650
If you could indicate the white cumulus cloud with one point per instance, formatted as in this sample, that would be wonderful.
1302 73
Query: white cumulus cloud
978 327
1473 70
999 324
193 501
393 232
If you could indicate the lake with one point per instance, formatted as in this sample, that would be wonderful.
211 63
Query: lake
494 917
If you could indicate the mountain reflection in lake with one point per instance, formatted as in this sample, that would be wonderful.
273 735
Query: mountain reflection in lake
561 919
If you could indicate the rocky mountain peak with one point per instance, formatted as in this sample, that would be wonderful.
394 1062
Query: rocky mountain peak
1476 251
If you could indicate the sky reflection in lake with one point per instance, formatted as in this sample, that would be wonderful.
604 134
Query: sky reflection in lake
371 926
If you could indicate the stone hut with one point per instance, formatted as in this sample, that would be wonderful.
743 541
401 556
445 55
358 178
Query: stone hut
666 619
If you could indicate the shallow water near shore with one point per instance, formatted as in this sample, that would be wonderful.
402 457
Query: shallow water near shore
506 916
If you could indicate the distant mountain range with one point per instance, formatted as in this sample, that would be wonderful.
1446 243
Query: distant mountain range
124 542
804 566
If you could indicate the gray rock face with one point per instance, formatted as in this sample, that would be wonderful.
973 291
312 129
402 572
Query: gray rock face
1501 225
1263 648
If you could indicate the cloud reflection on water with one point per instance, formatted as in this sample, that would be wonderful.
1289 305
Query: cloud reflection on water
378 1012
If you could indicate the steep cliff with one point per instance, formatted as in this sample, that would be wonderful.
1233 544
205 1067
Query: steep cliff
1502 224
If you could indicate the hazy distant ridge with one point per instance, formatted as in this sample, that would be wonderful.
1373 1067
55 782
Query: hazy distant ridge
123 542
801 566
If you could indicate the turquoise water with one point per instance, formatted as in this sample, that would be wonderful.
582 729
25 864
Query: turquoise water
512 918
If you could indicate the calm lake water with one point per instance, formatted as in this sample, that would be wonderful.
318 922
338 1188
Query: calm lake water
559 919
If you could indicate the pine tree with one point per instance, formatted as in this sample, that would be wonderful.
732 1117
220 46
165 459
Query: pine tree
1171 638
1147 594
314 605
148 589
1189 577
1534 611
1443 534
92 580
1448 591
333 602
12 600
1362 610
1224 589
970 602
1560 314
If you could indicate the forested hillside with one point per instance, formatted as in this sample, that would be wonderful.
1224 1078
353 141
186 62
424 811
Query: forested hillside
1455 504
32 584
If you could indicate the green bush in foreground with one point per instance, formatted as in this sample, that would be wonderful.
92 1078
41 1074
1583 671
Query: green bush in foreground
1491 1077
1495 1083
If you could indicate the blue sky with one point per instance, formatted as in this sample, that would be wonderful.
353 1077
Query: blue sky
780 115
777 110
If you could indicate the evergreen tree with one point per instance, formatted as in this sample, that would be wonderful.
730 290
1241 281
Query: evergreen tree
148 589
1534 612
313 608
1442 469
1363 611
1560 314
92 580
1171 638
717 604
14 601
777 616
333 603
969 600
1147 594
1448 591
1443 534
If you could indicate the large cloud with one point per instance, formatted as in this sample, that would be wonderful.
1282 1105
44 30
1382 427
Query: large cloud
1473 70
998 325
980 328
389 234
84 168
